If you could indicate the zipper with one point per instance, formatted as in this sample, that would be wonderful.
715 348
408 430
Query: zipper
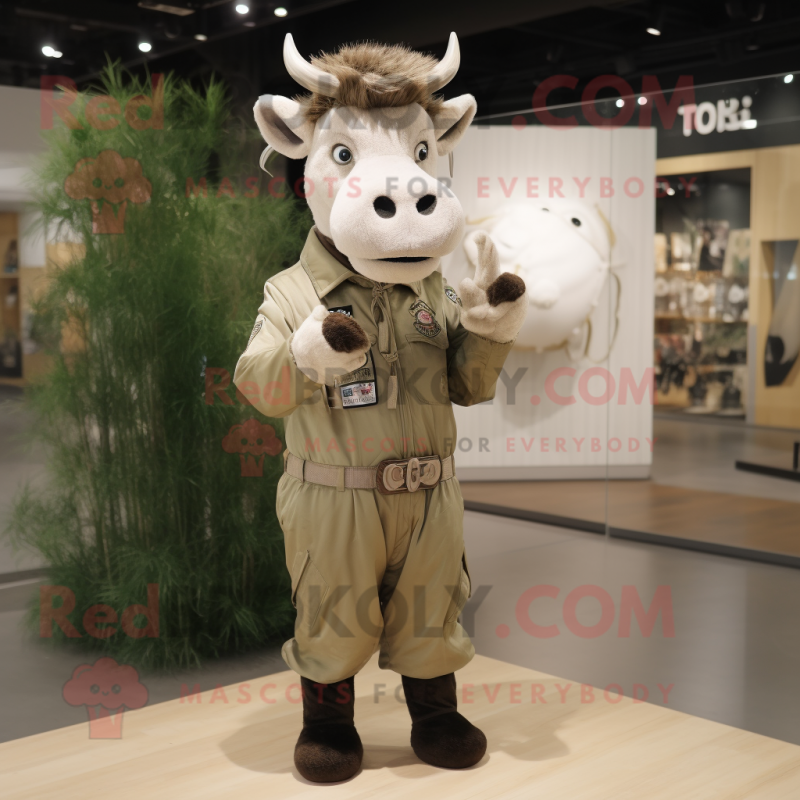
401 394
401 402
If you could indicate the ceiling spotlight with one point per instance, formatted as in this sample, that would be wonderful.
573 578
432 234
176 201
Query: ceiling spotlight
145 47
280 11
51 52
749 124
242 8
642 101
620 102
201 37
788 78
167 8
654 31
670 191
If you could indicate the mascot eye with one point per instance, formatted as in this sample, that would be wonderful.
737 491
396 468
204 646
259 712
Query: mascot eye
421 151
342 154
576 222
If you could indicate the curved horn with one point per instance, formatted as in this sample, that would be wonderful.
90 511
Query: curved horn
446 69
306 74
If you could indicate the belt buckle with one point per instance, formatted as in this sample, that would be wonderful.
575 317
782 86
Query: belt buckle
399 475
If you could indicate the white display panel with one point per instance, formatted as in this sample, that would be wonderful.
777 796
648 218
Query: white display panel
592 437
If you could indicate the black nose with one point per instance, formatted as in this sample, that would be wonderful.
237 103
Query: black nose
384 207
426 204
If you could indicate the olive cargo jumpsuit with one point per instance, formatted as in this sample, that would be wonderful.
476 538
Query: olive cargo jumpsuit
371 571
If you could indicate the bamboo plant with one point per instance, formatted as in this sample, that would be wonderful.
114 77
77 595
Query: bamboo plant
156 476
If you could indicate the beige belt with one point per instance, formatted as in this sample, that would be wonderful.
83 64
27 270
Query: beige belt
393 476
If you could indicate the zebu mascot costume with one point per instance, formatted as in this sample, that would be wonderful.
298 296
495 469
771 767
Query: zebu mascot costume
363 347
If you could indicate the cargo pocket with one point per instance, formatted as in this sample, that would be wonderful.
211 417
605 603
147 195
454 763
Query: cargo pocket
463 593
308 589
426 379
465 569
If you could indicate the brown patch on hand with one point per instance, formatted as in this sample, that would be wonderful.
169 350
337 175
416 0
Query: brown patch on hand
505 289
343 333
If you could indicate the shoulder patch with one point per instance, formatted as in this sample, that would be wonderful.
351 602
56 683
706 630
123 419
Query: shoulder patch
256 328
451 295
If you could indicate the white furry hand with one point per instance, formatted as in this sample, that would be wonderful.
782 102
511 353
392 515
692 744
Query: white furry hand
327 345
495 303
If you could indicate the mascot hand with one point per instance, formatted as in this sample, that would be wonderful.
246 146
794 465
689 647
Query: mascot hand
328 344
495 302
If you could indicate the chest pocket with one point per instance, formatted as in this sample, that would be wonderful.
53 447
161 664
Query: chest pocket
424 362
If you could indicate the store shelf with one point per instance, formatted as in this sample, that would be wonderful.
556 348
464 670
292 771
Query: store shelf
717 320
715 367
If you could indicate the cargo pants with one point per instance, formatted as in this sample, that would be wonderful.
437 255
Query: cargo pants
372 571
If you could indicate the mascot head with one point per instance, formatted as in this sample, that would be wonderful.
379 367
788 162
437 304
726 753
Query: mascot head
372 132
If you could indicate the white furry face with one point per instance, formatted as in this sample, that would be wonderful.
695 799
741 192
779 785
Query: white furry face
376 192
371 180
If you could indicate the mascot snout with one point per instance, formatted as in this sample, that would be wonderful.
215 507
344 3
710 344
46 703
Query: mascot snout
393 213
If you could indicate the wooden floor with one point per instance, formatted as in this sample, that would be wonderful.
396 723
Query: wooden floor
733 520
562 749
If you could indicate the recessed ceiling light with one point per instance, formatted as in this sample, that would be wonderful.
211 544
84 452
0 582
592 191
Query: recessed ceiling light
178 11
642 101
242 8
670 191
654 31
788 78
280 11
51 52
201 37
620 102
145 47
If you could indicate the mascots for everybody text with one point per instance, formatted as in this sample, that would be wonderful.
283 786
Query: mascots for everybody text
364 347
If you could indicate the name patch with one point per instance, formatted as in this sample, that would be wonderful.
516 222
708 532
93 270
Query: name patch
359 388
348 310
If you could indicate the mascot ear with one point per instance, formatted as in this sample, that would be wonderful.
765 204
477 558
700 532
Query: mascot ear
451 122
283 125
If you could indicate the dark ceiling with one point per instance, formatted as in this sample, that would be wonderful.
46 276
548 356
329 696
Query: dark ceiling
507 46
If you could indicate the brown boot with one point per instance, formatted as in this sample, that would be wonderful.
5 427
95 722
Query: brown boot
329 748
439 734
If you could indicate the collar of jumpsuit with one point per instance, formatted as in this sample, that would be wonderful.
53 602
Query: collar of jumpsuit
328 267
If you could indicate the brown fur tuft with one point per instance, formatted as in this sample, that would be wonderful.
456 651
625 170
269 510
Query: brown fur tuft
344 334
505 289
374 75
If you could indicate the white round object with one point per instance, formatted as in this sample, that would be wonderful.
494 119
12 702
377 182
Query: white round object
561 248
701 293
736 294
